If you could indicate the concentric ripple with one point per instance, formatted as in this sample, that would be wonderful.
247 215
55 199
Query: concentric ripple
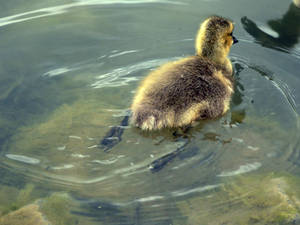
57 114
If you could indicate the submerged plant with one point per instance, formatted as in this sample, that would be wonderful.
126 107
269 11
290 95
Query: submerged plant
27 215
267 199
56 208
256 199
12 199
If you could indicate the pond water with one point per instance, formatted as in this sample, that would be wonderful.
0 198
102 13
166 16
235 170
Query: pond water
68 73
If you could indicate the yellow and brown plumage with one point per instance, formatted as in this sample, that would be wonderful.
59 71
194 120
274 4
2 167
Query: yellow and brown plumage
197 87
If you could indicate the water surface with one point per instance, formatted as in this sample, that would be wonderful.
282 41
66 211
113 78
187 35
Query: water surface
68 72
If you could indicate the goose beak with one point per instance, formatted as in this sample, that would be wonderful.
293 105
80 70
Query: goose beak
234 40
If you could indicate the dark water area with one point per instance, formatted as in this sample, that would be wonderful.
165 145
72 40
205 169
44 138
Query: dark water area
68 73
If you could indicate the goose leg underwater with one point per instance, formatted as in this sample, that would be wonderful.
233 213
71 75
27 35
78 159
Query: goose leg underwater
114 135
193 88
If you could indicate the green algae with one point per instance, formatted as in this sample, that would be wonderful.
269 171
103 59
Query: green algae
25 195
7 196
56 209
255 199
84 117
24 207
266 199
12 199
27 215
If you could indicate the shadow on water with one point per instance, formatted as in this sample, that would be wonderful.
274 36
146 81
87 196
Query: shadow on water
287 30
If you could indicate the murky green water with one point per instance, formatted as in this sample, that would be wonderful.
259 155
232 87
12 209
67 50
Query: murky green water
68 72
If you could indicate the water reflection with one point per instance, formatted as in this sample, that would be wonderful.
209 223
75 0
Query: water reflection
238 113
287 30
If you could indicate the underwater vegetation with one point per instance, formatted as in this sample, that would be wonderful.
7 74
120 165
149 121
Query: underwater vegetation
260 199
13 199
77 127
26 209
254 199
27 215
56 209
16 206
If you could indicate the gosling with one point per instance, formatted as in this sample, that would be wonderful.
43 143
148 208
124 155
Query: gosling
194 88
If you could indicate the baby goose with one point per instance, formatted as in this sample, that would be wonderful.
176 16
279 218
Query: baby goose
197 87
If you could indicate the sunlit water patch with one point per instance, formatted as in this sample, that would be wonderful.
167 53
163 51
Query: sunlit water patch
119 76
22 158
57 72
242 169
55 10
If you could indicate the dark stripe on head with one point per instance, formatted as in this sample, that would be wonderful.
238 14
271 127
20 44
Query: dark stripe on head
216 22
